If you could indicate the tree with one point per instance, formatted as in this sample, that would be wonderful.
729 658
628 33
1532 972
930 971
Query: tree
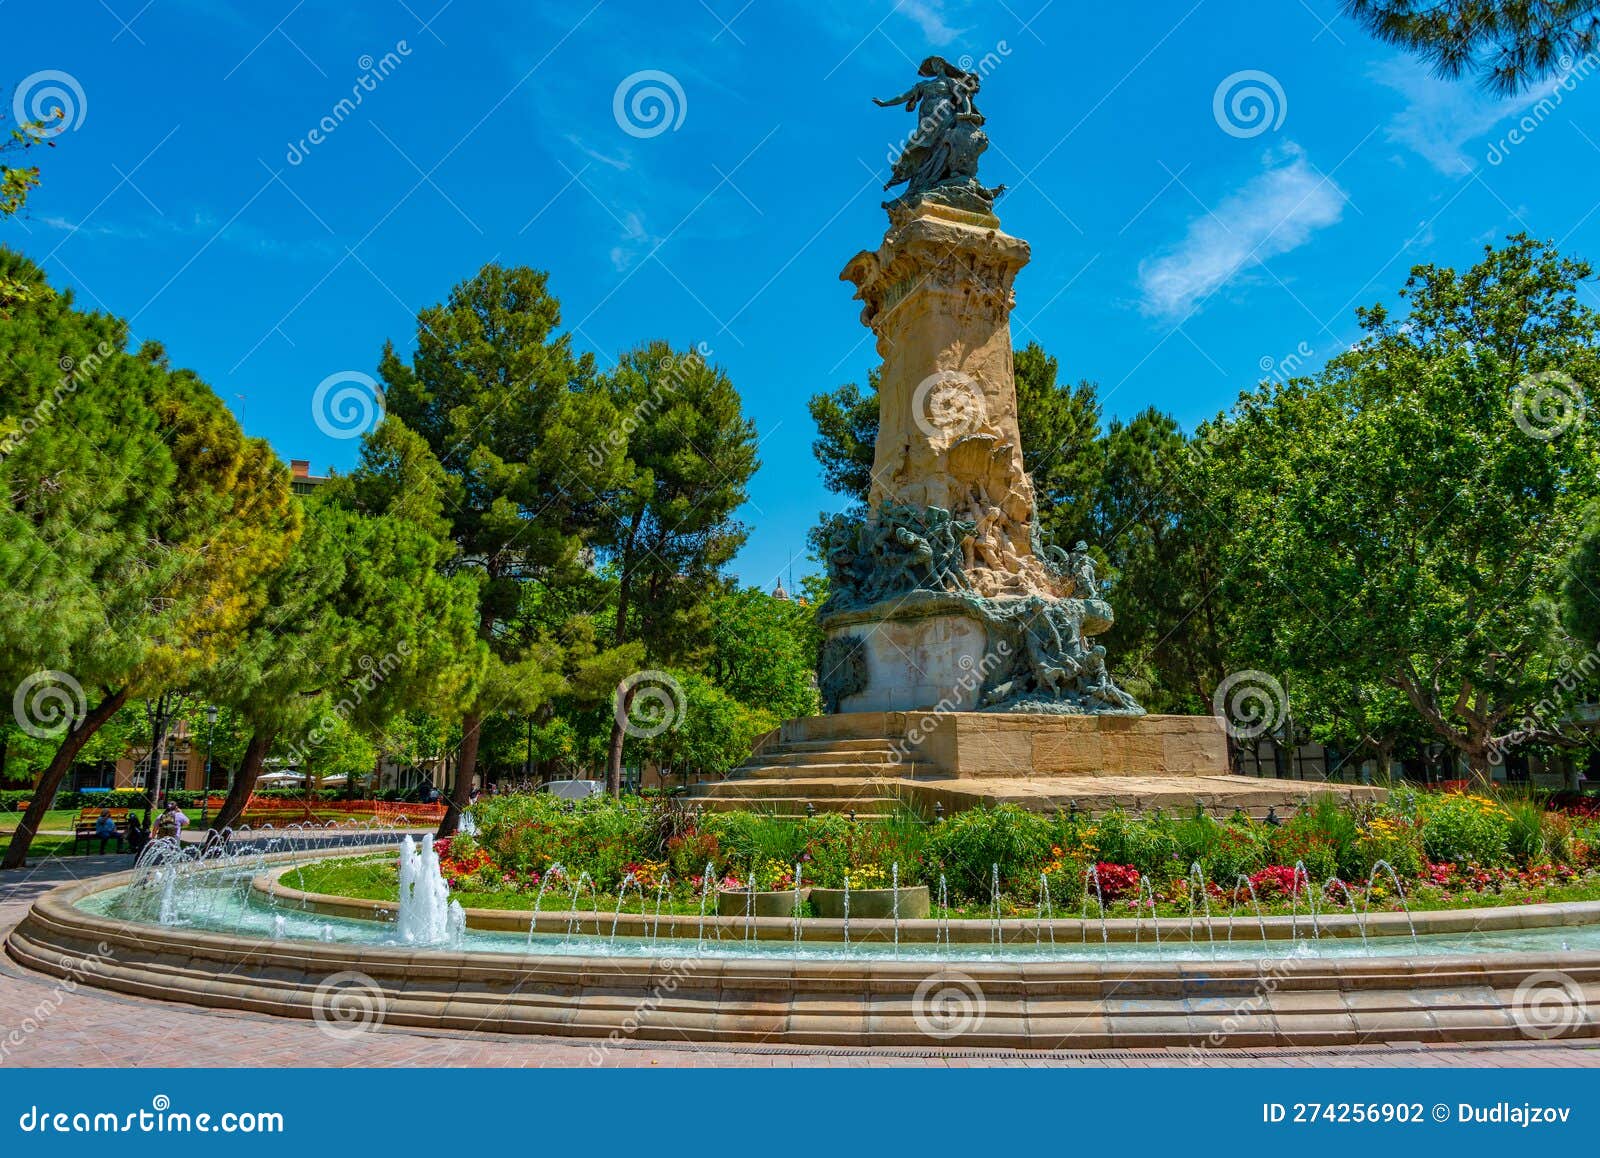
16 182
531 447
690 453
847 433
1405 518
122 570
764 652
1580 590
717 730
1508 44
360 624
1061 448
1158 526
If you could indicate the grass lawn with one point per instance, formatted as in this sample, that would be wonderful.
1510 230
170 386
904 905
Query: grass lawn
373 879
59 819
47 845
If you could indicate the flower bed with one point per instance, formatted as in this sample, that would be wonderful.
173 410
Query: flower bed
1445 851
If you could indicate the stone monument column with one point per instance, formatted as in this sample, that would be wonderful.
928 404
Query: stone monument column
938 295
944 595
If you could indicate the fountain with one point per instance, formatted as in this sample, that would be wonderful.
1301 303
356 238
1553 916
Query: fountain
950 560
427 915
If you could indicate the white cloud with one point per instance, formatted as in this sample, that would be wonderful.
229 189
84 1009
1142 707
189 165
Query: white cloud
622 163
635 242
1274 212
1442 117
929 16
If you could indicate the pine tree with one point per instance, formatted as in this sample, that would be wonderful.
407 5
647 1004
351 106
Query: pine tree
531 448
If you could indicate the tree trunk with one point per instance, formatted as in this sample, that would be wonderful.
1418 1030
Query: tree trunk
614 752
71 744
1479 770
244 780
466 766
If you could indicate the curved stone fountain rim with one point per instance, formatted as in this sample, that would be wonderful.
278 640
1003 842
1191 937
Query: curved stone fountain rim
965 930
852 1001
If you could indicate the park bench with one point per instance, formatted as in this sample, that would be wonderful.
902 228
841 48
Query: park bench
83 826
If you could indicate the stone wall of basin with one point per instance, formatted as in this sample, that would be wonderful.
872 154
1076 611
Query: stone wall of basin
841 1002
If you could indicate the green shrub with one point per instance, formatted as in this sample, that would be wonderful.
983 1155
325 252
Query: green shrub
1526 837
747 838
1466 829
1240 847
965 846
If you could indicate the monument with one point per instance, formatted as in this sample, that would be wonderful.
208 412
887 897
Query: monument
959 665
945 595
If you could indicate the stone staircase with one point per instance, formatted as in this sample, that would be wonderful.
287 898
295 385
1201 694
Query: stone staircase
853 762
866 776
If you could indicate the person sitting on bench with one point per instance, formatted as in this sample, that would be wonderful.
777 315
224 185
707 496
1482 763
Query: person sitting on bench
138 837
106 829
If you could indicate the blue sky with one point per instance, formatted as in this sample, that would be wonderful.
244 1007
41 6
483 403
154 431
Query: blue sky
1183 247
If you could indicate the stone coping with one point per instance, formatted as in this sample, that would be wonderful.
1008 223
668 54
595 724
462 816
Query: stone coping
1075 1004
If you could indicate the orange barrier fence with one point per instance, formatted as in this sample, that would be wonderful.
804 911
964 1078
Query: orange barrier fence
411 810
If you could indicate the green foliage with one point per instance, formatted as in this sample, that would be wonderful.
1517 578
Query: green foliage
1525 839
966 846
847 432
146 553
1466 830
1404 519
515 416
1509 44
715 732
764 652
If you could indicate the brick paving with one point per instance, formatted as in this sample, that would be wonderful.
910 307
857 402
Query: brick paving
89 1027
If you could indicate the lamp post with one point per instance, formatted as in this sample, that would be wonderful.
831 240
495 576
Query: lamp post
205 783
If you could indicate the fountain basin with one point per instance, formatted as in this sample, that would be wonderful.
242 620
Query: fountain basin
772 903
873 904
660 992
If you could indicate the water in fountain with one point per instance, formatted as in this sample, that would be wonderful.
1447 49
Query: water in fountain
1197 884
1394 878
574 917
847 911
1145 890
994 904
750 905
661 891
1350 899
942 929
1092 873
705 892
797 902
427 915
555 870
1046 915
278 924
622 895
467 826
894 883
169 890
1261 922
1301 875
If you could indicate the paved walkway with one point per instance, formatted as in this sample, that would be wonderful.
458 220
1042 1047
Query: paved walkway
90 1027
